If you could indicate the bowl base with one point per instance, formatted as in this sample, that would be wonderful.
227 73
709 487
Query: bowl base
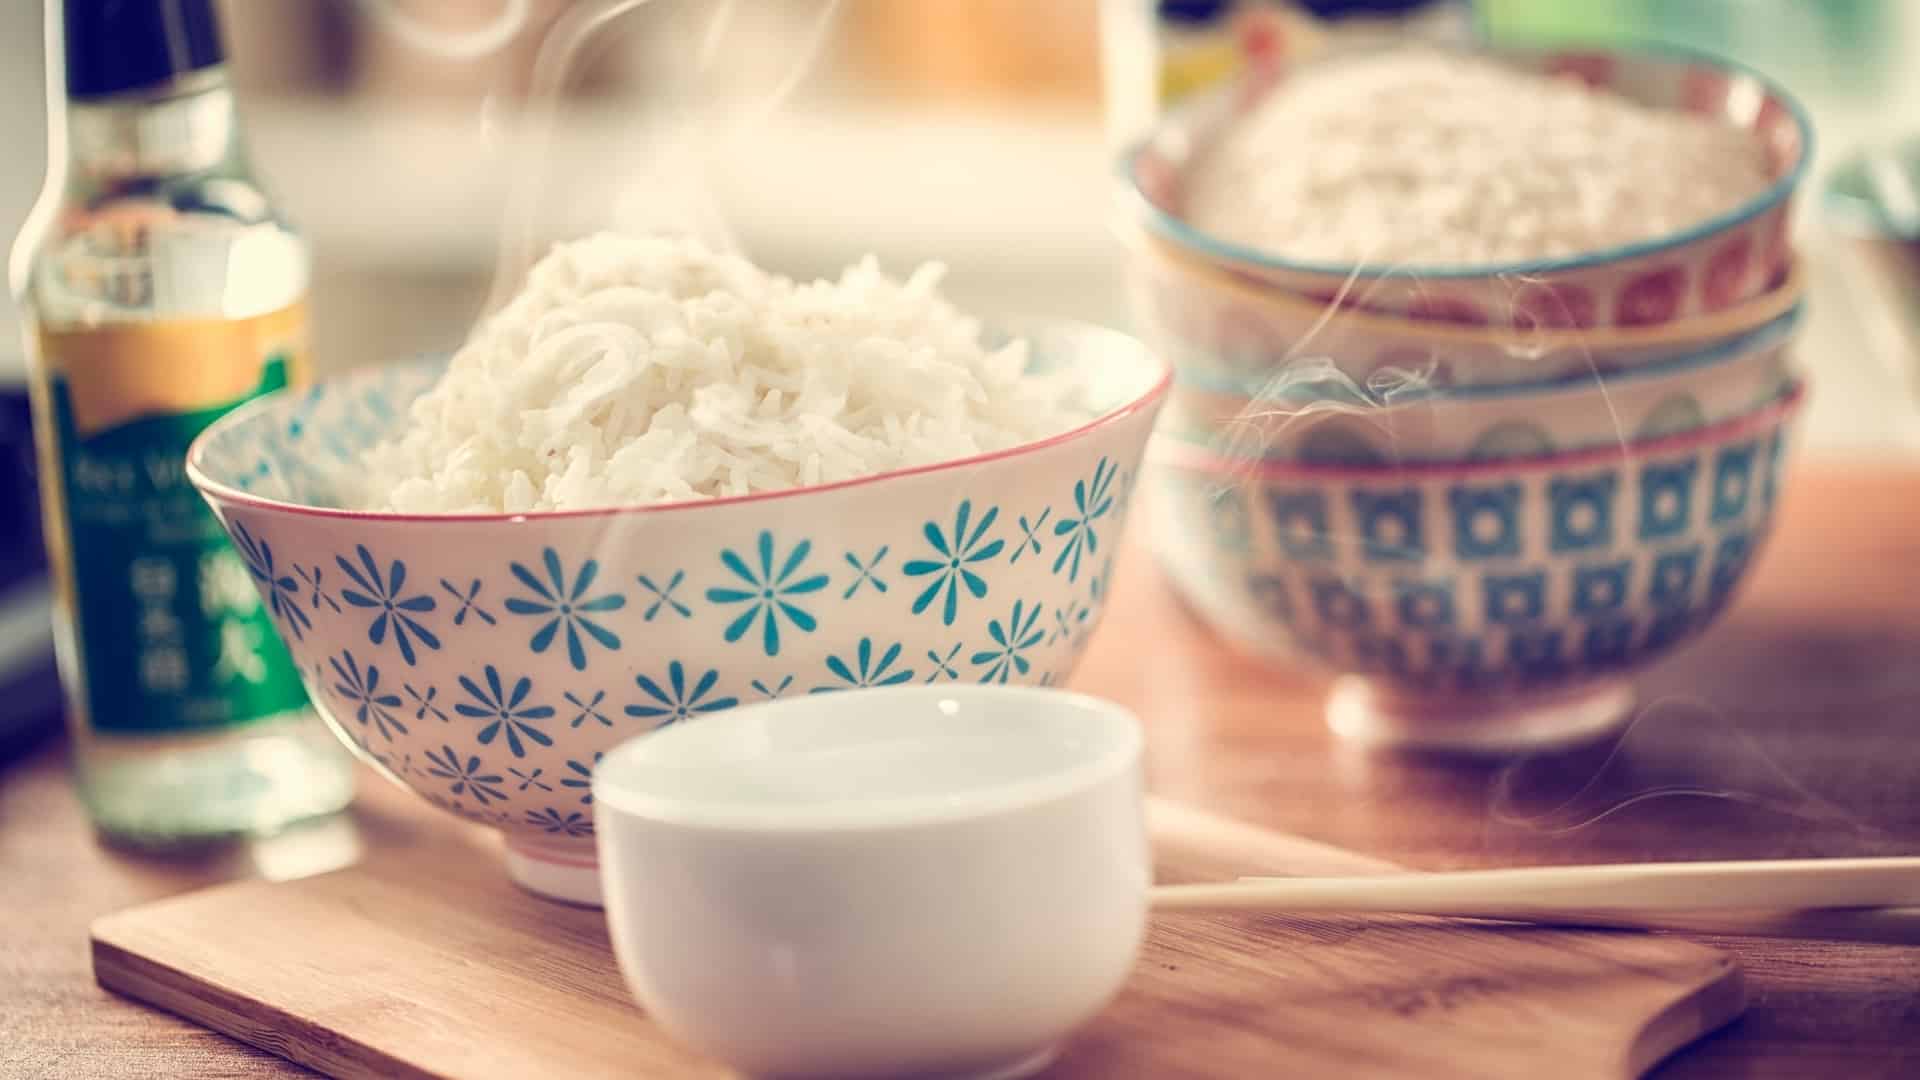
564 875
1357 709
1017 1069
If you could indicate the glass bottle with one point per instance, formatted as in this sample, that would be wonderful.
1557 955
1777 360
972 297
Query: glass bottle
161 290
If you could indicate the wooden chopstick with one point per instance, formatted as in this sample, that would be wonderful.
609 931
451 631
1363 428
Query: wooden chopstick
1874 898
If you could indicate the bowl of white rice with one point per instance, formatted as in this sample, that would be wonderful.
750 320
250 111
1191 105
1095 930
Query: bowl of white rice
662 482
1503 187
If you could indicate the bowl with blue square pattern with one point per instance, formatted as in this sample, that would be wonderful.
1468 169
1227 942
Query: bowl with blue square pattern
1489 606
486 661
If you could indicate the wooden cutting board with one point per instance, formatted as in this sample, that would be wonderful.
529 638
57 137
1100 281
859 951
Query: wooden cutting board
423 961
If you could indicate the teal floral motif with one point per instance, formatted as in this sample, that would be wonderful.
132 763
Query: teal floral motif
1011 639
505 711
571 823
953 568
675 702
866 671
362 690
468 603
864 573
771 692
944 665
582 778
1067 622
663 596
312 578
565 607
424 703
283 592
530 780
770 593
1099 585
1091 502
386 595
1030 535
588 709
465 777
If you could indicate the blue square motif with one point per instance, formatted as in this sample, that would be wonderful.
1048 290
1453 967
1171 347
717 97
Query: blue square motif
1776 453
1601 588
1390 525
1667 628
1582 511
1733 481
1609 643
1671 583
1301 520
1446 652
1666 498
1515 598
1271 594
1227 516
1486 521
1536 655
1462 659
1407 668
1729 562
1338 604
1424 605
1374 653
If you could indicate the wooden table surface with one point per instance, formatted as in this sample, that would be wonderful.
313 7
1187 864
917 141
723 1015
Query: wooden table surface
1792 729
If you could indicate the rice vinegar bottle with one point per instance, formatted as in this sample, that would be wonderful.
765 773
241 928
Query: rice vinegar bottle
161 290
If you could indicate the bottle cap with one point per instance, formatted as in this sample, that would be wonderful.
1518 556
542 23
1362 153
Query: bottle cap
114 46
1336 9
1193 12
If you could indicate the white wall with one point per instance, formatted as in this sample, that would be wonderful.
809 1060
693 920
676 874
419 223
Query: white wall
23 127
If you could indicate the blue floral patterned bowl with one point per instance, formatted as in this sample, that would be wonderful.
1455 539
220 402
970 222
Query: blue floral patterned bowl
486 661
1487 606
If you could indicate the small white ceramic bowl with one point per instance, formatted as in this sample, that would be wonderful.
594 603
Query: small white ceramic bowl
927 880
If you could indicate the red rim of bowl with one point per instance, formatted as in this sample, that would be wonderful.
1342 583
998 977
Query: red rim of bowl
225 493
1196 459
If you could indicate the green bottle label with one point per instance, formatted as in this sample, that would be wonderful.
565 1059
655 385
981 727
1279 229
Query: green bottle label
172 636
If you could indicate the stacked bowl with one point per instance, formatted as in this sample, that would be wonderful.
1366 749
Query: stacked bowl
1483 496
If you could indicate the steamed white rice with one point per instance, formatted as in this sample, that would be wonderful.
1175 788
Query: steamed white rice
1421 156
638 370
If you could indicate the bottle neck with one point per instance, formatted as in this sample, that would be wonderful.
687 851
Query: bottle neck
179 128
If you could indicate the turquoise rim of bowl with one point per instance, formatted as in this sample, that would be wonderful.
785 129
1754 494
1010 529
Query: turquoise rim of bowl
1765 337
1216 249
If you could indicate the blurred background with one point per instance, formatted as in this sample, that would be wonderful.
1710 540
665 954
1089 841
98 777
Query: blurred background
977 132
